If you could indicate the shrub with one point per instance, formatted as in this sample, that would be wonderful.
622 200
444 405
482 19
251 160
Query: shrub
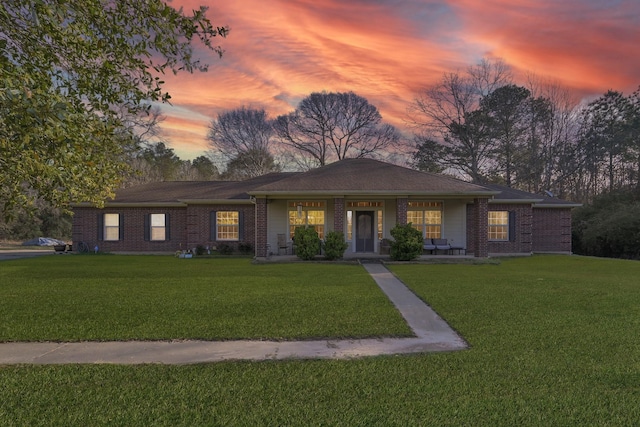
200 250
307 242
225 249
245 248
334 245
407 243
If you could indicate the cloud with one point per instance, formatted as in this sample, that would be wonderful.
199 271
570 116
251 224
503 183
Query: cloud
279 51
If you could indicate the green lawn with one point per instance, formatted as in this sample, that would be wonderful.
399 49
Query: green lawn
79 298
554 341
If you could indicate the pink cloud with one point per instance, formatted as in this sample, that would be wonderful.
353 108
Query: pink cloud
282 50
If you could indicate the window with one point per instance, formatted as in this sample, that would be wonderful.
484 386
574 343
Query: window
306 213
158 230
227 225
156 227
111 230
498 225
426 217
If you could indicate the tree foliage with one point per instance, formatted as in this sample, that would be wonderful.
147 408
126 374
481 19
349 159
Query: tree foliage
244 137
72 74
448 113
609 227
326 127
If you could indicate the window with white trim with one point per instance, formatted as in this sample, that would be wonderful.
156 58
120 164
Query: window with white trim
111 227
498 225
228 225
157 227
426 217
307 213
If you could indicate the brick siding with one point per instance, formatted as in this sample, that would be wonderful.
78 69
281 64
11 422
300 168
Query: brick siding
402 204
521 242
188 228
551 230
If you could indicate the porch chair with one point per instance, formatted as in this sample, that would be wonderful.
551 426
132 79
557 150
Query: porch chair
283 244
428 245
442 245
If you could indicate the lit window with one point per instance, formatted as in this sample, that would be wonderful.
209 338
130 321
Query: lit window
227 225
111 227
380 225
158 230
306 213
499 225
426 217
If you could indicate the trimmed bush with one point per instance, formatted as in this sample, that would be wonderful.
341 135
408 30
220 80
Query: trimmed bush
407 243
334 245
307 242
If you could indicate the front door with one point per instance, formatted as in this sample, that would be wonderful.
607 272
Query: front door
364 231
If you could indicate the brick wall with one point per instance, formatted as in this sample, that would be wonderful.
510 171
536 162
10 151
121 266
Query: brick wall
338 214
552 230
189 227
537 229
401 210
261 224
521 242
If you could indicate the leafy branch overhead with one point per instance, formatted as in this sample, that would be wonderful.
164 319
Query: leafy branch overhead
71 75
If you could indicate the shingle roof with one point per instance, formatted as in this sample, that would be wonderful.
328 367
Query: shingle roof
177 191
353 176
369 176
513 195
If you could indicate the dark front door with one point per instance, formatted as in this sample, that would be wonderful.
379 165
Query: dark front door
364 231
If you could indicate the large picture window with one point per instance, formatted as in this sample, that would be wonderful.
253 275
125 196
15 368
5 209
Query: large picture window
111 226
426 217
228 225
306 213
498 225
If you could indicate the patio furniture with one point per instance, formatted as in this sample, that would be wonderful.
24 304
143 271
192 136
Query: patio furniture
441 245
283 244
459 249
428 245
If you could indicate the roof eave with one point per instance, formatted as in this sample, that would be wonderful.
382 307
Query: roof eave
558 205
216 201
515 201
390 193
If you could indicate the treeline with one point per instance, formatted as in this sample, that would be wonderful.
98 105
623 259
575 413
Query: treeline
535 137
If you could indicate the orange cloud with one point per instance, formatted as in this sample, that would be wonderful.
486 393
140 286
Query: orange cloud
282 50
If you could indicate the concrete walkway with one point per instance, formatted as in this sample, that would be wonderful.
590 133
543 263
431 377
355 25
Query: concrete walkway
432 334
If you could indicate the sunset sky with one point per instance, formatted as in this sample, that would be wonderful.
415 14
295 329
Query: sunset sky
279 51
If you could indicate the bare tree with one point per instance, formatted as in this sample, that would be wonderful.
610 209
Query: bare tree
334 126
448 112
244 137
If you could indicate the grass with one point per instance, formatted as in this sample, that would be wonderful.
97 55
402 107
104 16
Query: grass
554 342
80 298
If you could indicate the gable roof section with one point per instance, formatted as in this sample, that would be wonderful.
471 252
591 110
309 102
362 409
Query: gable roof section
367 176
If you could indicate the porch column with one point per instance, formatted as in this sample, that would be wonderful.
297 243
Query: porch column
481 218
338 214
261 228
401 210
